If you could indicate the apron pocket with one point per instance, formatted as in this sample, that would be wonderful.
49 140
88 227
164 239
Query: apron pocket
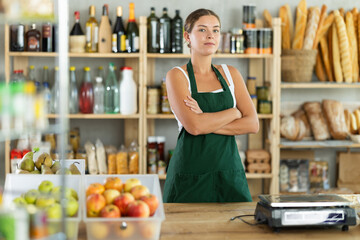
232 186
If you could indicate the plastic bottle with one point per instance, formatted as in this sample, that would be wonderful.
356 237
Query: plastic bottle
55 93
86 98
99 96
29 117
111 99
128 92
46 89
73 93
32 77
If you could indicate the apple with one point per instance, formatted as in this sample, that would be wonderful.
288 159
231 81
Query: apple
148 229
31 196
130 183
110 211
54 211
124 232
138 208
95 188
44 201
20 201
98 230
94 203
72 207
110 195
113 183
45 186
122 201
139 191
152 201
56 193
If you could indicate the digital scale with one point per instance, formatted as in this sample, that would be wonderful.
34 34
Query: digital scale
280 211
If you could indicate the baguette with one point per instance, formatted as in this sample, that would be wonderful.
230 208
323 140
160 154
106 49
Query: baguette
300 25
358 34
345 56
342 12
291 21
347 115
268 18
311 27
325 57
353 46
353 124
285 28
329 38
355 13
319 68
336 56
357 116
323 16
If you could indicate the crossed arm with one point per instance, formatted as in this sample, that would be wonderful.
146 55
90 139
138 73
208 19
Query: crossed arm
233 121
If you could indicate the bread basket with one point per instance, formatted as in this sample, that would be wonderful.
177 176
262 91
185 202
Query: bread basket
297 65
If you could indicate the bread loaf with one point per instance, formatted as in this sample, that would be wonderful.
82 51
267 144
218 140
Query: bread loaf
334 113
319 68
325 57
291 22
300 114
353 45
311 27
347 115
300 25
302 130
345 56
317 121
323 15
336 56
285 28
268 18
289 127
353 124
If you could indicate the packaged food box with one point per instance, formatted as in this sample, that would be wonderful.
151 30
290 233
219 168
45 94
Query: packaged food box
125 227
294 175
18 184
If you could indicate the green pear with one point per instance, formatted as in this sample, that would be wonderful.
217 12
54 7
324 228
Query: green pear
72 207
48 160
20 201
56 166
26 164
54 211
73 169
46 170
56 193
45 186
35 172
65 171
74 194
44 201
43 159
31 196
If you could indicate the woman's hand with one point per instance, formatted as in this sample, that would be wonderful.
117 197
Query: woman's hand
193 105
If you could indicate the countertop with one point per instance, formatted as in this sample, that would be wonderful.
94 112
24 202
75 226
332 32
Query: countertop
212 221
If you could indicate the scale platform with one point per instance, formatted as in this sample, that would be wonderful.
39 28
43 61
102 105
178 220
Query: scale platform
280 211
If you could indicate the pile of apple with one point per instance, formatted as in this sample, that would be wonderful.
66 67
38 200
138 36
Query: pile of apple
115 199
47 197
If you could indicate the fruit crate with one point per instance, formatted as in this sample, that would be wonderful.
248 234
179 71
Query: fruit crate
17 184
125 227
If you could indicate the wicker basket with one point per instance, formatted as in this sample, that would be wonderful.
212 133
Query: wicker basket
297 65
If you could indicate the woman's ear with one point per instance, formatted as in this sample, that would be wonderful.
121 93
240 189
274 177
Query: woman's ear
187 38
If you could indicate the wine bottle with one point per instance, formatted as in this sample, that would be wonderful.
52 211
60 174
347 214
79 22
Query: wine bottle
177 33
76 30
105 33
118 36
77 39
47 35
165 25
153 32
132 31
92 32
17 32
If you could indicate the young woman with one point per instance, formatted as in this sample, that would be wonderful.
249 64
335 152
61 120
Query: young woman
211 104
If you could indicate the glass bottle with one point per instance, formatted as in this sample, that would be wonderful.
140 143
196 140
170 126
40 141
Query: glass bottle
119 34
46 88
99 96
128 92
104 45
47 35
77 39
111 99
86 98
165 105
165 32
101 72
73 93
132 31
76 30
55 92
177 33
92 31
17 32
153 32
33 39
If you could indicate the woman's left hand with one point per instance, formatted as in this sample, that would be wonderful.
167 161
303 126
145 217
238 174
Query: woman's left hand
193 105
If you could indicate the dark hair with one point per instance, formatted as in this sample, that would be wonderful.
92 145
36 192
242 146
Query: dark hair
195 15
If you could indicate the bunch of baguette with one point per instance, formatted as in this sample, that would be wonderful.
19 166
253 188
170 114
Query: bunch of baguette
336 36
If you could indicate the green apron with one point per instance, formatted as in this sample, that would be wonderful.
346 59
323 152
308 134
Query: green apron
206 168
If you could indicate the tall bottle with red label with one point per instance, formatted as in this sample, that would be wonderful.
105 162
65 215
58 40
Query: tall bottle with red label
47 35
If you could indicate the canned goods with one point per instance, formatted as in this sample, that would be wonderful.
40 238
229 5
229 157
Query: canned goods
262 93
249 13
264 107
251 85
265 40
250 41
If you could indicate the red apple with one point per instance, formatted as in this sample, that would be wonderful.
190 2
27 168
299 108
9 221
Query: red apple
95 188
138 208
130 183
110 211
110 195
94 204
152 201
122 202
139 191
113 183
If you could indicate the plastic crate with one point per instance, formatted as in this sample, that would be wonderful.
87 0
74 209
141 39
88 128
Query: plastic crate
125 227
17 184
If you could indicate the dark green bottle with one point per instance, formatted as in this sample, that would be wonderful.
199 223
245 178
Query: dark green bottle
153 26
132 31
165 32
177 33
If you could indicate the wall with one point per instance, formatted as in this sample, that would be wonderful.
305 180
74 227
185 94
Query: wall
230 13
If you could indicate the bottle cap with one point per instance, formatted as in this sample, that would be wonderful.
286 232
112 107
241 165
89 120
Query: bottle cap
72 68
32 67
126 68
46 84
151 139
98 79
56 68
165 9
119 11
46 67
92 10
160 139
30 87
86 69
77 15
100 68
152 9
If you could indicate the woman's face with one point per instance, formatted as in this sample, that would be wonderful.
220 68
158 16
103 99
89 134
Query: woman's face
205 35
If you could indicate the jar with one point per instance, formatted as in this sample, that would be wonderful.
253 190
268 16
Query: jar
240 42
249 16
165 105
153 100
254 100
264 107
265 40
233 44
262 93
251 85
251 41
151 155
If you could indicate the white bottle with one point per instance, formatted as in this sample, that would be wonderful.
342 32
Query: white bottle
99 96
128 92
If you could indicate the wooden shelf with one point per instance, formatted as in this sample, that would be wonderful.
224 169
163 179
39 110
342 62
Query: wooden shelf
265 116
248 176
75 55
318 85
286 144
220 55
97 116
172 116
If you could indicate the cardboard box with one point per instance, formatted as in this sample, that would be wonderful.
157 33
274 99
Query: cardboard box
349 173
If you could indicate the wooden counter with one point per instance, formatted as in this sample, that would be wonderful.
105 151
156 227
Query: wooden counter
211 221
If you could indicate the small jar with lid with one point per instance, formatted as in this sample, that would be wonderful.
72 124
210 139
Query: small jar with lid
264 107
262 93
153 100
152 155
251 85
161 154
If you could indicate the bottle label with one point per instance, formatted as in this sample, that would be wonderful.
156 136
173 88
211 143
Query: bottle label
33 43
46 31
96 35
136 44
88 34
127 45
20 36
123 43
114 43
